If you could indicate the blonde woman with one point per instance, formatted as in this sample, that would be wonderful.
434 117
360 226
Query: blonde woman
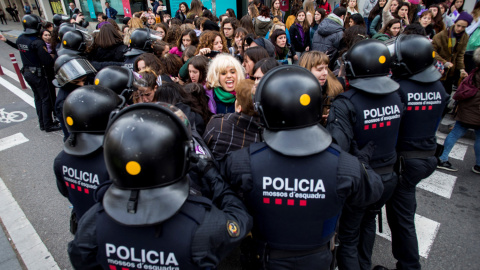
317 63
309 8
278 25
224 74
133 24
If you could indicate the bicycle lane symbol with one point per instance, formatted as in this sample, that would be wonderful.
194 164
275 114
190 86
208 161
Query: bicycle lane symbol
12 117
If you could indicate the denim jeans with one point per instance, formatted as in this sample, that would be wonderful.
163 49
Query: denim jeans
457 132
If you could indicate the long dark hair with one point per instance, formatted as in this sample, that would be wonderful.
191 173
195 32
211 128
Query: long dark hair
376 10
108 36
322 12
438 23
200 63
458 10
200 99
174 93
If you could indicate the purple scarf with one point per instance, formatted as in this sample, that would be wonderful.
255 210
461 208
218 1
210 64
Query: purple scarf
212 106
302 34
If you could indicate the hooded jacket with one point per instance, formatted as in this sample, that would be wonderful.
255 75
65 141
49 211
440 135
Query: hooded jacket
329 34
262 26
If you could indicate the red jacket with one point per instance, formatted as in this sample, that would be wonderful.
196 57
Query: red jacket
326 7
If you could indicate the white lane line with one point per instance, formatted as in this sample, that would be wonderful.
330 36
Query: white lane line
12 141
20 93
426 229
458 150
11 74
33 252
439 183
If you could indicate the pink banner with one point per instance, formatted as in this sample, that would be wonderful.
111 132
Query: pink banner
126 8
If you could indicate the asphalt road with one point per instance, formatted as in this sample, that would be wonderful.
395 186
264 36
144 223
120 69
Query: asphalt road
448 206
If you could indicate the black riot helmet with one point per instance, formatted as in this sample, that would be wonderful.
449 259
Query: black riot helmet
69 67
64 28
141 41
58 19
86 112
31 24
367 65
118 79
414 58
289 101
146 149
75 42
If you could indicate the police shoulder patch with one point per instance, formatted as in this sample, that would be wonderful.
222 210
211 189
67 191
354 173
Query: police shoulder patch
232 228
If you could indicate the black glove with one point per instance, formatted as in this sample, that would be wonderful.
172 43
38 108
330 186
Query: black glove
200 164
365 154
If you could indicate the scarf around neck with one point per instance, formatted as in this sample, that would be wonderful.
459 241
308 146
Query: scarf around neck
224 96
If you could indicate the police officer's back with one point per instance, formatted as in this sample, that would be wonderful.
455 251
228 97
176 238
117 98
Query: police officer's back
147 210
369 112
425 98
37 62
80 168
296 182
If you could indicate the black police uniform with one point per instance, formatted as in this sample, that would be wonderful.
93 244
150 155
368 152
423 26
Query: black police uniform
424 103
78 177
362 117
148 211
36 61
424 98
202 233
369 112
130 58
295 203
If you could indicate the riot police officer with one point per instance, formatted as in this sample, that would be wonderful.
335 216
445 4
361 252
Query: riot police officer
118 79
297 181
36 61
425 99
147 211
80 167
75 42
71 72
369 113
141 41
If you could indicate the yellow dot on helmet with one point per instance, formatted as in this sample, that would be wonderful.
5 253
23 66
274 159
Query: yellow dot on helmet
433 54
64 42
130 41
305 99
382 59
69 121
97 81
24 21
133 168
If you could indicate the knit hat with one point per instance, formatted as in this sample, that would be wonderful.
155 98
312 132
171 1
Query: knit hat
265 43
465 16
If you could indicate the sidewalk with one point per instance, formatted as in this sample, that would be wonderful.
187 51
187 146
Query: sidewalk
8 258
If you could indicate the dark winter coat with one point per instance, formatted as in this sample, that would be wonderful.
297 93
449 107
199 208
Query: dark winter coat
328 35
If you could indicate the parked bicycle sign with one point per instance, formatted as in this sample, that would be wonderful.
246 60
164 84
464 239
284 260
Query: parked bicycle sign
12 117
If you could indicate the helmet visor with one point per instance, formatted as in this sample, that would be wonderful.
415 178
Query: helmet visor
72 70
155 35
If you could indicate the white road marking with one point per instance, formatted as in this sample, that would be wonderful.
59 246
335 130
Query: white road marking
458 150
426 229
11 74
439 183
33 252
12 141
20 93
